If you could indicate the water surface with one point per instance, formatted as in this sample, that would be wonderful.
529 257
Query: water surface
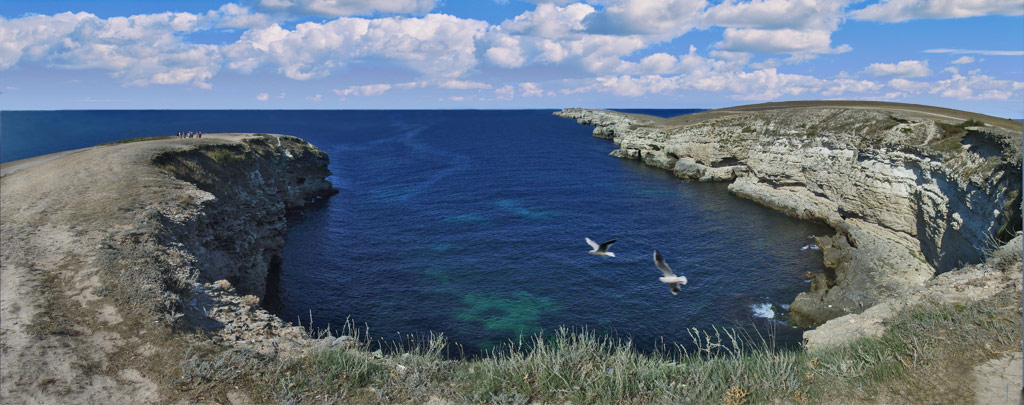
472 223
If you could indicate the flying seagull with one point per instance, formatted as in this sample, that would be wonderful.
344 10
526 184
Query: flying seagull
601 250
670 278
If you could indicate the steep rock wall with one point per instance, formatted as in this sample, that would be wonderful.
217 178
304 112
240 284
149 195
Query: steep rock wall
907 194
244 192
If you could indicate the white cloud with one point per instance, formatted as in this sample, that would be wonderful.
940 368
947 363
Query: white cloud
963 60
462 84
763 84
435 45
316 97
976 86
263 97
548 21
909 86
841 86
902 10
506 52
661 19
777 14
779 41
140 50
528 89
659 64
366 90
629 86
339 8
907 68
232 15
976 52
506 92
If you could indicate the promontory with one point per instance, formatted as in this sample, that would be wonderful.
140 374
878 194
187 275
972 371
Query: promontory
133 272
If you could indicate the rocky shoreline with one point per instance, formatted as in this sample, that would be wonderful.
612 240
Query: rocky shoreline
911 191
110 252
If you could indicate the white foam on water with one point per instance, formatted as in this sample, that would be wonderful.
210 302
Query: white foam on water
763 310
810 246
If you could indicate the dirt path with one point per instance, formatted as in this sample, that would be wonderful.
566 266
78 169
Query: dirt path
998 381
63 339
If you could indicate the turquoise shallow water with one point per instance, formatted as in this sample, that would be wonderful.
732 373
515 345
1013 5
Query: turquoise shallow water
472 223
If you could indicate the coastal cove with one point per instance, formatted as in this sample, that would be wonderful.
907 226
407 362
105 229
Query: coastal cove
147 265
483 224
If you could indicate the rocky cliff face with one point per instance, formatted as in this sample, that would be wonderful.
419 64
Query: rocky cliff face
909 193
244 191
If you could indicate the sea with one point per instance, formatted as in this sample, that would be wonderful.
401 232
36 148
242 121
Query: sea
472 224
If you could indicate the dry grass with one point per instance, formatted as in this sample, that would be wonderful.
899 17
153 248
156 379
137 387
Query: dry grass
923 357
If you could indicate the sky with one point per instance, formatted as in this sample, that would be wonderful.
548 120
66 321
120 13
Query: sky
508 54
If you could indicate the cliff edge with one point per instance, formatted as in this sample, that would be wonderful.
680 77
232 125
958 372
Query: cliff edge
911 191
110 252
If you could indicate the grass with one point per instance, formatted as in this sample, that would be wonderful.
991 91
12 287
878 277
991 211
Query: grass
923 357
953 134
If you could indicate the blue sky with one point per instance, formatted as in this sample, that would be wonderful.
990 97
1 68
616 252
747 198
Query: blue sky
497 54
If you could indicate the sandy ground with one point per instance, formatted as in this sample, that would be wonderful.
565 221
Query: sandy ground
998 381
55 210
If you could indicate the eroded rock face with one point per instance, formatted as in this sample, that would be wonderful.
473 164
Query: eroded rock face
244 191
908 193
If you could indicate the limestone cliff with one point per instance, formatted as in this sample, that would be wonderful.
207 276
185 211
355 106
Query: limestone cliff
910 190
247 187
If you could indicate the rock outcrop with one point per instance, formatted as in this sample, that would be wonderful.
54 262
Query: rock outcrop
910 191
107 251
244 191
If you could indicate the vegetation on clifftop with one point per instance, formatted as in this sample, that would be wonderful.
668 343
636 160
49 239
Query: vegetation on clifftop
924 356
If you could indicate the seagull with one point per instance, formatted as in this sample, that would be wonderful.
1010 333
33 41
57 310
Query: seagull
601 250
670 278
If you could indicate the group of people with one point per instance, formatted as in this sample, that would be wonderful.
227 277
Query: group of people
190 134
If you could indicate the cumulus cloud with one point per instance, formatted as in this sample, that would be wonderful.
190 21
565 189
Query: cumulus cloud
341 8
777 14
976 86
902 10
976 52
963 60
630 86
140 50
841 86
549 21
909 86
779 41
505 52
907 68
232 15
528 89
663 19
436 45
506 92
263 97
367 90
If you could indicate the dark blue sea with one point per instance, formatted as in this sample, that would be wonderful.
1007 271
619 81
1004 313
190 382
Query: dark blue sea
472 223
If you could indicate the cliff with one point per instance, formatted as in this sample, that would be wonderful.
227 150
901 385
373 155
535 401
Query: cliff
911 191
110 252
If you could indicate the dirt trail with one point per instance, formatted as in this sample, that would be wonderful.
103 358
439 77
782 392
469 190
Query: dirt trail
61 339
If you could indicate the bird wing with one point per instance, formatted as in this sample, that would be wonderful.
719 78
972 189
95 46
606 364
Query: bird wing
592 244
604 246
674 288
660 262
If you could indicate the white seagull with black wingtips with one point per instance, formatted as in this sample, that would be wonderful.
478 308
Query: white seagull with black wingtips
602 249
670 278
